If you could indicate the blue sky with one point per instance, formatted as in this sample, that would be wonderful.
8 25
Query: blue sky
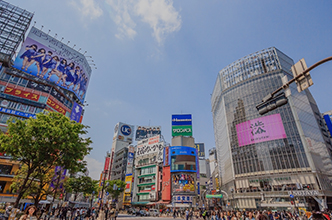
156 58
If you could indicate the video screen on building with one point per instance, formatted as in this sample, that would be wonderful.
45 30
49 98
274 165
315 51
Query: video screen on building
183 162
260 129
183 182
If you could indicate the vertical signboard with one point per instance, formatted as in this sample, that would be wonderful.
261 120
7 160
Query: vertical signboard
181 125
76 112
123 132
166 188
201 149
107 163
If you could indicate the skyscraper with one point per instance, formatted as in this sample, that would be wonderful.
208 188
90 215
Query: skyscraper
262 160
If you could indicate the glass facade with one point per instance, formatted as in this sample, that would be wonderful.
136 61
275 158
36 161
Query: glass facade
238 89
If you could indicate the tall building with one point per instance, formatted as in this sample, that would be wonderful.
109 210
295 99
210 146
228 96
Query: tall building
262 160
30 82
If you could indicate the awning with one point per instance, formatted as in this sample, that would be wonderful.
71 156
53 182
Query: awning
151 203
163 202
139 203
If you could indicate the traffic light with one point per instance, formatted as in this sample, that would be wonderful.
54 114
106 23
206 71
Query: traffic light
270 103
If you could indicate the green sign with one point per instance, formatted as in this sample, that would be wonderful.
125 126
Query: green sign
184 130
219 196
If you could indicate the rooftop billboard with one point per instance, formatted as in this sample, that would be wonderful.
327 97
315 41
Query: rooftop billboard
260 129
43 56
143 132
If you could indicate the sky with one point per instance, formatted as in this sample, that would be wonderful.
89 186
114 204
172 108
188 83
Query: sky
155 58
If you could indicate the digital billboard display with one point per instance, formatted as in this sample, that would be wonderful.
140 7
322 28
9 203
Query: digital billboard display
43 56
183 183
260 129
183 159
143 132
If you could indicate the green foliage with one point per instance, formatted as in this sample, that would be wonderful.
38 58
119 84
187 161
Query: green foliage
50 140
120 187
82 184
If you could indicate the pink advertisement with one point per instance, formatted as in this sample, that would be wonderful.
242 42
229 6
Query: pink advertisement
261 129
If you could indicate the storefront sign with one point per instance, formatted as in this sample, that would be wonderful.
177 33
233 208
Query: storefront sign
304 193
23 94
50 102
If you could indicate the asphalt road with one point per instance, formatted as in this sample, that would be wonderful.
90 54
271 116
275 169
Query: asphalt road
126 216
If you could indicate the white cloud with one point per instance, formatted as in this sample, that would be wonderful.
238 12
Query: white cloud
160 15
88 8
120 13
95 167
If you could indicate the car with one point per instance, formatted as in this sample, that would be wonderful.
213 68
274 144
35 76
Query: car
143 213
154 212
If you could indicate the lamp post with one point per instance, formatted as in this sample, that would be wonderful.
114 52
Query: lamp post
102 190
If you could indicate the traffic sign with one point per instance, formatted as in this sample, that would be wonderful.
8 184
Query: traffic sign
291 195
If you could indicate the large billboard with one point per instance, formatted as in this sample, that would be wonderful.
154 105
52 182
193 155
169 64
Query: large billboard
260 129
124 132
182 125
166 189
151 146
45 57
183 183
143 132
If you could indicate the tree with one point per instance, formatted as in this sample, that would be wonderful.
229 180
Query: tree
115 191
50 140
82 184
39 188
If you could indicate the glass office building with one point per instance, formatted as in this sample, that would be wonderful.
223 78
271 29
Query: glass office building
263 159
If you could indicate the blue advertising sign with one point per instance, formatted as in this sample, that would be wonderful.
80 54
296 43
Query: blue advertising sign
18 113
76 112
328 123
181 120
183 159
198 188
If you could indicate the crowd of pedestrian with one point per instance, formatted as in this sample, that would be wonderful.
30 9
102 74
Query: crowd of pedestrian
218 214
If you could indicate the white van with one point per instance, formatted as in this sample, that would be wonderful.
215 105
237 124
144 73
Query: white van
154 212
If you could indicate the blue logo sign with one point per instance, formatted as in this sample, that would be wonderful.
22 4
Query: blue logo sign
125 130
291 196
76 112
181 120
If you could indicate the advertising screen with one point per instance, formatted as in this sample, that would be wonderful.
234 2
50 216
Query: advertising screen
45 57
166 189
183 183
261 129
183 159
143 132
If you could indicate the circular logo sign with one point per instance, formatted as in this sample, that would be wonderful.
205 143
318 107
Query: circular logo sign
125 130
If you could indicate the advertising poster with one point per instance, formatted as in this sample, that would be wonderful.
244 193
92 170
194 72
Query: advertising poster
45 57
124 132
128 181
183 183
166 189
107 163
260 129
143 132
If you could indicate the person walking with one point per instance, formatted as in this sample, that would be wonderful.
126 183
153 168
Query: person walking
113 213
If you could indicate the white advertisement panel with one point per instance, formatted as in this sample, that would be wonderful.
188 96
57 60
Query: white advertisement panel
124 132
151 146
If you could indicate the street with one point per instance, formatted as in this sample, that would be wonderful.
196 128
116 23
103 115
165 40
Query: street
126 216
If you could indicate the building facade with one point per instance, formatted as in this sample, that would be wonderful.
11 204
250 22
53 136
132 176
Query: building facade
26 86
262 160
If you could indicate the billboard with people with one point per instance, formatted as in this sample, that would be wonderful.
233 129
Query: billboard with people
45 57
143 132
183 183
